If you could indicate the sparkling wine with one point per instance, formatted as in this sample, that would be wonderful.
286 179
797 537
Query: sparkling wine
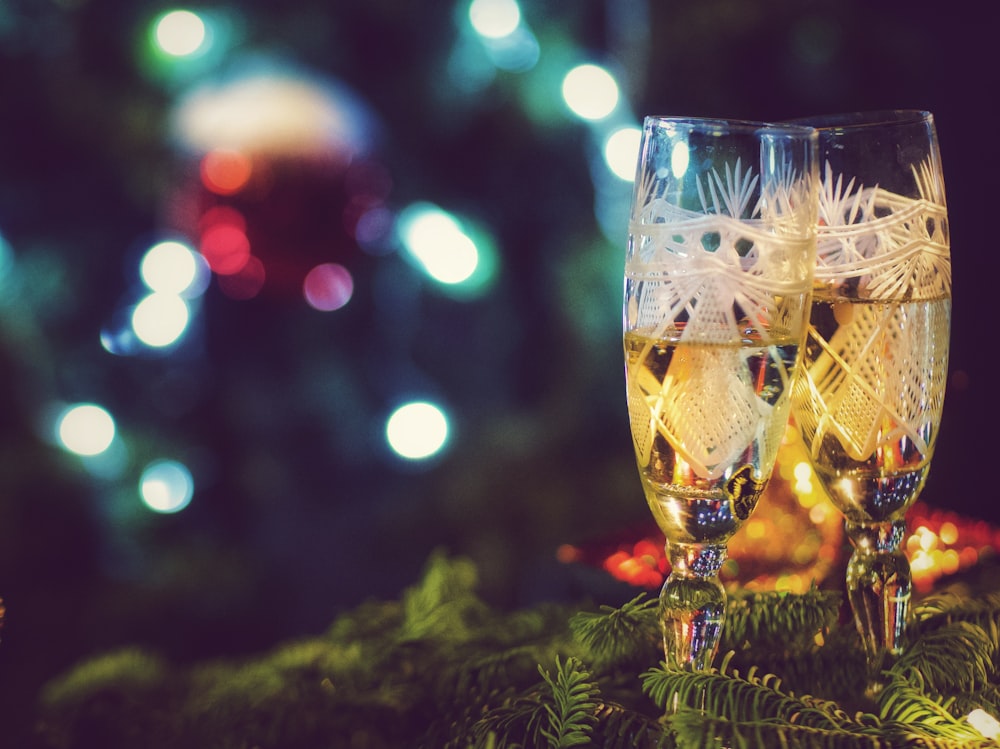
707 421
869 400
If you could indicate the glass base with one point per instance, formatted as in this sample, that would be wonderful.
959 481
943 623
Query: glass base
879 586
692 606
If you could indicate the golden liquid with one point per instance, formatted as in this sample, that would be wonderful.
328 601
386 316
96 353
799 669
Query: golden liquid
707 420
869 400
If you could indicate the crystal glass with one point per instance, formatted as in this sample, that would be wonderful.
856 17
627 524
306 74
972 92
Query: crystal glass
718 276
869 402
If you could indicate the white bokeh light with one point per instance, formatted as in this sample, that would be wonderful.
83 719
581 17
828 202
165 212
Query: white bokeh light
166 486
494 19
180 32
590 91
160 319
435 239
621 152
417 430
170 267
85 429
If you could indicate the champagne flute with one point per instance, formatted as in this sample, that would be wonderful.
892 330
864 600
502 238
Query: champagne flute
718 277
869 401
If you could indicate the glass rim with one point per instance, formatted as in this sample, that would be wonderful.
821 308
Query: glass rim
726 125
860 119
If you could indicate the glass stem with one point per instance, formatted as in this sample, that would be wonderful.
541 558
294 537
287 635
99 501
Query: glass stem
692 605
879 585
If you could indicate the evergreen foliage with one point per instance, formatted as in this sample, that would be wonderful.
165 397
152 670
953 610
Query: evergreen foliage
440 668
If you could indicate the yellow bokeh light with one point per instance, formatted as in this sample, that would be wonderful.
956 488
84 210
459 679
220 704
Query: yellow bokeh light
803 471
948 532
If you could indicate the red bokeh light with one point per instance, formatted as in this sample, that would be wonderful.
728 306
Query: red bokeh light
225 248
246 283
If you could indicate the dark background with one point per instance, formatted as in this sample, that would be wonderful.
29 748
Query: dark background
300 511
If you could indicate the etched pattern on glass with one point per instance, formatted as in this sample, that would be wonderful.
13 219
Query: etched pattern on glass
881 375
706 407
896 247
711 278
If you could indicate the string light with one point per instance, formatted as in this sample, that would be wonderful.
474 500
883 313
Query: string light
985 723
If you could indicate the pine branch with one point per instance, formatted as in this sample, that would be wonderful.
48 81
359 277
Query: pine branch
515 722
444 604
947 607
780 621
953 658
622 637
572 713
619 727
752 698
440 670
695 730
904 702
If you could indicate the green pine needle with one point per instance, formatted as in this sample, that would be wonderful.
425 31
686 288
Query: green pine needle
572 711
616 637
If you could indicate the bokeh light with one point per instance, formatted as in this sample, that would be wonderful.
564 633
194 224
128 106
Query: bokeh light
225 248
373 230
166 486
180 33
494 19
171 267
6 264
590 91
226 171
417 430
621 152
328 286
264 107
159 320
435 240
85 429
246 283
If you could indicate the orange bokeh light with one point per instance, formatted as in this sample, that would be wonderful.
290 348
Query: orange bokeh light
225 171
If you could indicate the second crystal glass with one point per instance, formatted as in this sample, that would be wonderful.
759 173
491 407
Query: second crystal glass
718 275
870 400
